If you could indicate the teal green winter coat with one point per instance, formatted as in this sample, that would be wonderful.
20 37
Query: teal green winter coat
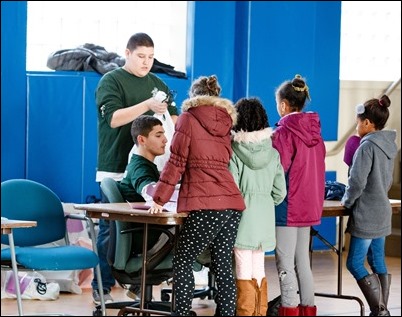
256 168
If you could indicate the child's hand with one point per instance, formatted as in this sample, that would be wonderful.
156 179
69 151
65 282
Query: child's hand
155 208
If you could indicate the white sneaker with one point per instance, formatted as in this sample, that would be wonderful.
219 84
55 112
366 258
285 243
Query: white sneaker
96 297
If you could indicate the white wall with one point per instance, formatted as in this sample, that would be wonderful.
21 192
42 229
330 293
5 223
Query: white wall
352 93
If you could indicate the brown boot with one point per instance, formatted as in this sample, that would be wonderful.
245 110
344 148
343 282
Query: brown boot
288 311
246 297
371 288
261 305
385 281
307 310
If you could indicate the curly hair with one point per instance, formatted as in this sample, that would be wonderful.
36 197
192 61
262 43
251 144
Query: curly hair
205 86
251 115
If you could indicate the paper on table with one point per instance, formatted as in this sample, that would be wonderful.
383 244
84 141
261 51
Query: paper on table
170 206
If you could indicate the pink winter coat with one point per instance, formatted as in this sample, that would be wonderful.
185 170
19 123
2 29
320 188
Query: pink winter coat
301 148
200 155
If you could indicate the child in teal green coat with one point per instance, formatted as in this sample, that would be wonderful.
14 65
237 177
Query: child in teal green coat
257 169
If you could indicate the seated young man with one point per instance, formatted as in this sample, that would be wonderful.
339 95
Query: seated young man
149 136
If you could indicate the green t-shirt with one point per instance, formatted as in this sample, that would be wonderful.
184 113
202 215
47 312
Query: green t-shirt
139 173
119 89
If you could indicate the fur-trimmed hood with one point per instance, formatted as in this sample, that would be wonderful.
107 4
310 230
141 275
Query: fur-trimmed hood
254 148
200 155
251 137
218 102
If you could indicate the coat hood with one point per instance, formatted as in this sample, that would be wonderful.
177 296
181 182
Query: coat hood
305 125
217 115
384 140
254 149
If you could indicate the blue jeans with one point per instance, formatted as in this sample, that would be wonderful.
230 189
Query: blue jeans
102 243
374 249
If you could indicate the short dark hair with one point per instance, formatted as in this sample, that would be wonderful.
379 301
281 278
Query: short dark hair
139 39
251 115
142 125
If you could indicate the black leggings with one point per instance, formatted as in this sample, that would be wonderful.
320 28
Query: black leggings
216 230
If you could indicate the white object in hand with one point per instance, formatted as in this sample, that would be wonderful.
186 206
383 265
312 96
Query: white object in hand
160 96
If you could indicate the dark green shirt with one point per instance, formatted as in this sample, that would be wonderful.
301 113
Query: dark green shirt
139 173
119 89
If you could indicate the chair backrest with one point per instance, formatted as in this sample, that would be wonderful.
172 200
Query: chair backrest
111 190
112 193
122 246
24 199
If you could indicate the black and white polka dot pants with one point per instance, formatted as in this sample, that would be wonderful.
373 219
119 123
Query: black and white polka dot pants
216 230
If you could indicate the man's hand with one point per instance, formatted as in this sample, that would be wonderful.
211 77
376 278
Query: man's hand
157 106
155 208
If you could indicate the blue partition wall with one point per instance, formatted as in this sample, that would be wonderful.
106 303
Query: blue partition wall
13 89
61 141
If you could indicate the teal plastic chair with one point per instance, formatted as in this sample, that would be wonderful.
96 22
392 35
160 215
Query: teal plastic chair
124 255
23 199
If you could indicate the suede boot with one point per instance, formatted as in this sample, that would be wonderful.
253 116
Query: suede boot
371 288
307 310
261 305
246 297
288 311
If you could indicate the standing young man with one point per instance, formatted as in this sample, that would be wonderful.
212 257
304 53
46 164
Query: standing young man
122 95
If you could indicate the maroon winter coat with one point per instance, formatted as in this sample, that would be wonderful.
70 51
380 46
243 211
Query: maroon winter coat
200 155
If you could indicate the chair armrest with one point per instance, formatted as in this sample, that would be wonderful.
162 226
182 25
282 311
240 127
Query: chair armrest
90 223
154 259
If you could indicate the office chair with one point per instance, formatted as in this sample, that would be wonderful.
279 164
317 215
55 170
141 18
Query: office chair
124 255
24 199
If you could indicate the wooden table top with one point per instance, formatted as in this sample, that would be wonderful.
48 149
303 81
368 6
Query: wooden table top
333 208
124 212
8 224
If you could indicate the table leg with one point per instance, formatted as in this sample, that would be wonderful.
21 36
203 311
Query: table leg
15 272
145 312
144 265
339 252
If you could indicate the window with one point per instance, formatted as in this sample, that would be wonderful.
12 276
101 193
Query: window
56 25
370 40
370 32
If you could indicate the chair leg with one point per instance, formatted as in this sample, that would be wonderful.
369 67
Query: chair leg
100 289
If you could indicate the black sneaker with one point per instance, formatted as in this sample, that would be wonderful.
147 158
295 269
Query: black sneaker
96 297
